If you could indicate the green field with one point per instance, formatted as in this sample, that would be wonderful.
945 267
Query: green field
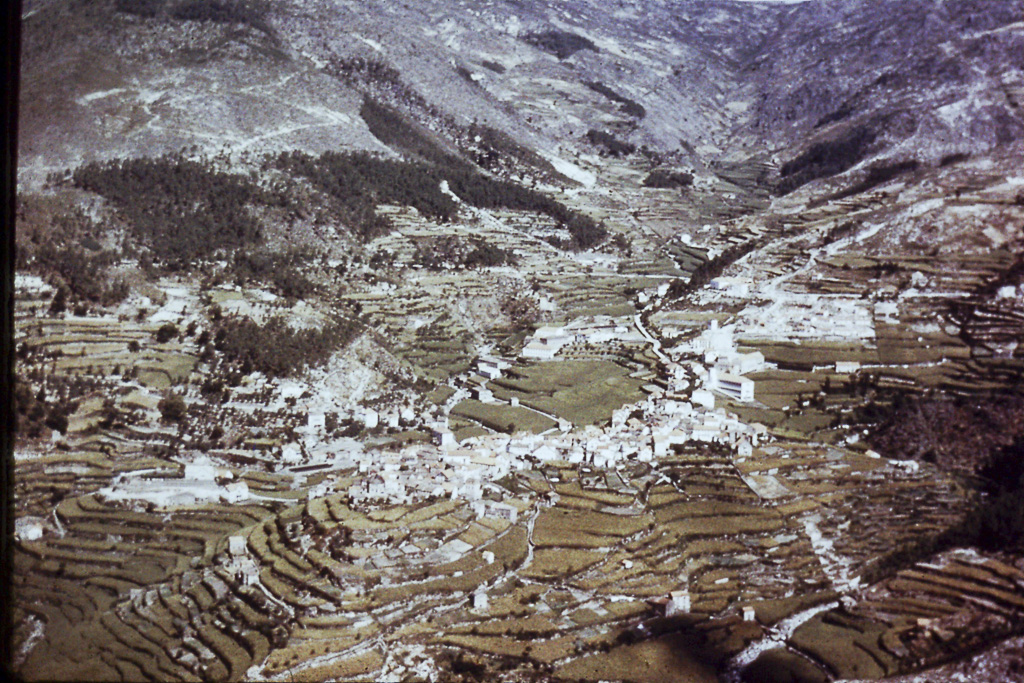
583 392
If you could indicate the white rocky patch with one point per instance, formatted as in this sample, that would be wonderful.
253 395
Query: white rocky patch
571 170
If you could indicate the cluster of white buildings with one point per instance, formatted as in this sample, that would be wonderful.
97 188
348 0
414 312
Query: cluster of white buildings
439 470
725 368
732 286
446 468
201 482
239 563
811 316
547 341
676 423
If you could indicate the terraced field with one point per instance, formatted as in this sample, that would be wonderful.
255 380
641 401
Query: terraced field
922 617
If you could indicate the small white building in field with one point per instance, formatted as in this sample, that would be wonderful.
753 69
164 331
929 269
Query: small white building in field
491 368
678 603
749 362
236 546
490 508
28 528
236 492
482 394
846 367
734 286
546 342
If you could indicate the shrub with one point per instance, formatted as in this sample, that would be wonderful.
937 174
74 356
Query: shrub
281 271
59 303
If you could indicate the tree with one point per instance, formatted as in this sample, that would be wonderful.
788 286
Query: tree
59 304
166 333
172 407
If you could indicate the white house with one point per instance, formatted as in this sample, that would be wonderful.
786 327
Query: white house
291 452
490 508
28 529
200 471
678 603
546 342
540 350
715 339
663 441
735 386
316 420
236 492
845 367
370 418
703 397
749 362
236 546
246 571
480 599
734 286
442 435
491 368
708 431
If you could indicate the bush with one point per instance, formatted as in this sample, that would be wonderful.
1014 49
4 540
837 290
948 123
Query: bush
59 303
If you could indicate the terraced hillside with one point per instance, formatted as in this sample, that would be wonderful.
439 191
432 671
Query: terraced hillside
383 341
